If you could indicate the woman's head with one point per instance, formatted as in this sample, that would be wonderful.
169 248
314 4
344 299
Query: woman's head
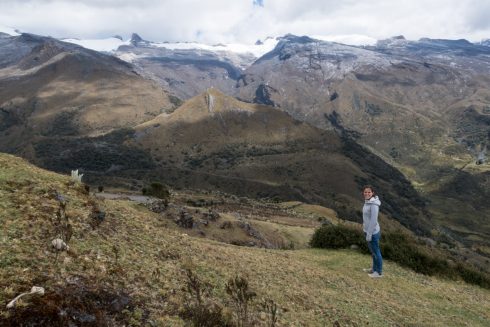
368 192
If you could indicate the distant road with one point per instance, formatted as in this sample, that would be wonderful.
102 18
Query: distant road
132 197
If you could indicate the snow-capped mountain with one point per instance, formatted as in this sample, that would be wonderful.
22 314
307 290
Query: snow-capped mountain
189 68
112 44
184 68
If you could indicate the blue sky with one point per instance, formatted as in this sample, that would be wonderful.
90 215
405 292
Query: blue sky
245 21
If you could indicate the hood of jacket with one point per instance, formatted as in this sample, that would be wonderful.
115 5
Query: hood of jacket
374 200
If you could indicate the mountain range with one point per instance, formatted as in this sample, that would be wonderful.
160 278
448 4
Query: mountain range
309 120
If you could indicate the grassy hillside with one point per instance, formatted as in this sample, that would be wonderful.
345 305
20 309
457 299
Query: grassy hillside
130 268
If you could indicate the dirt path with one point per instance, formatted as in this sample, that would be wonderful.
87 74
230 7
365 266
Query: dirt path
131 197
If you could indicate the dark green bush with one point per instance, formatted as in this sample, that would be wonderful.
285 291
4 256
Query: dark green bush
401 248
337 237
472 276
157 190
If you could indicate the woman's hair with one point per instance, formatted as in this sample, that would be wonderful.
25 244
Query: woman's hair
369 187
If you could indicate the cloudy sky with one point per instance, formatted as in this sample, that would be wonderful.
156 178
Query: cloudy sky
245 21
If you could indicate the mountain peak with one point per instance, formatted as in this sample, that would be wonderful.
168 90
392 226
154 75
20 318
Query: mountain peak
137 40
210 103
297 39
394 41
485 42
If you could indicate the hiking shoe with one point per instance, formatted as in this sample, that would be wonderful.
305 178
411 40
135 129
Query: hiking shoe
375 275
368 270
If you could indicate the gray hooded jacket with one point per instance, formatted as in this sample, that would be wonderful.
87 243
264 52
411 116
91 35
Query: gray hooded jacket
370 212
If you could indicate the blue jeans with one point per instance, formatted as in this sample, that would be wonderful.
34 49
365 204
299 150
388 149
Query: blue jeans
376 253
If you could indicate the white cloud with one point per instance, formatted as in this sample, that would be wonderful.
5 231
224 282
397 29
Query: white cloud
245 21
8 30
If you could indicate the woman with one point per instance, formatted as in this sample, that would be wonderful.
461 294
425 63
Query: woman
371 229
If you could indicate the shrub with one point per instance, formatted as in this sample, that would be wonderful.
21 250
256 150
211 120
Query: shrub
157 190
62 225
401 248
337 237
198 308
271 310
473 276
238 289
205 315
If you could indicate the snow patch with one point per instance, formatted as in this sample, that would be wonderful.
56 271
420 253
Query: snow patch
129 57
256 49
107 45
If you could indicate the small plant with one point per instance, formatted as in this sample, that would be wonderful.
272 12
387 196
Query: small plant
198 309
97 215
270 308
76 176
100 188
117 252
62 224
116 269
238 289
194 285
